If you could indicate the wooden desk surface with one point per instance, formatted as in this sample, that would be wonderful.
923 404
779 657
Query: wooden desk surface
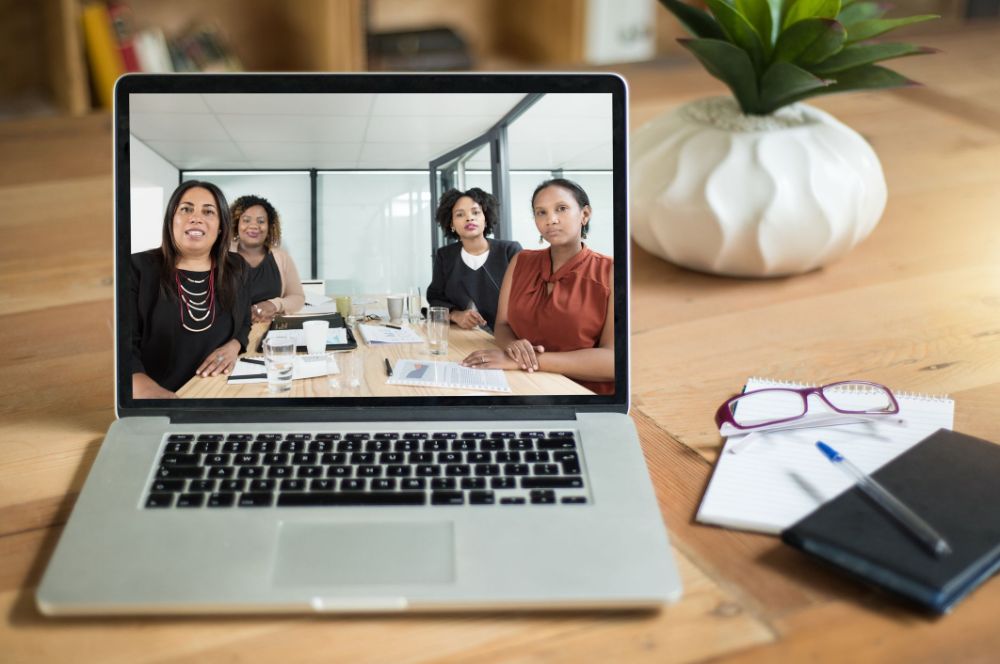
916 306
373 381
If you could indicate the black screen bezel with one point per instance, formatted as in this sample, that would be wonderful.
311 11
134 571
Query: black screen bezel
388 408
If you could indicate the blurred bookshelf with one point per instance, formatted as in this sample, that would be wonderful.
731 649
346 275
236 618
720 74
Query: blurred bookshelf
60 57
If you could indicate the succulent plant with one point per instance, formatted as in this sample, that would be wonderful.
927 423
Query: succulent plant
772 53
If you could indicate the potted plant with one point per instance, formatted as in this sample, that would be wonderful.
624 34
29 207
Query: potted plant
760 184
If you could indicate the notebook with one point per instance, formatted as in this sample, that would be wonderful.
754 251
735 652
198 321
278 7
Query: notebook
950 480
423 373
233 499
780 477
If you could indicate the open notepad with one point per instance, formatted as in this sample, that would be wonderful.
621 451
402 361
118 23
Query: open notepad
781 477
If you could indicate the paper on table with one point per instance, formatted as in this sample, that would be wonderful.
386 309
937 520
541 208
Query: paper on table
380 334
313 299
781 477
423 373
334 335
253 370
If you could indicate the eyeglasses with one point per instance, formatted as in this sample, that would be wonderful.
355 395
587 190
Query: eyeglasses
786 408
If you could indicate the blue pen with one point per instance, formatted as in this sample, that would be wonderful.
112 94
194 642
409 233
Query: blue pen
888 502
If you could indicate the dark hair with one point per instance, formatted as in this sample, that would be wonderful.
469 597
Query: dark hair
487 202
244 203
582 199
227 271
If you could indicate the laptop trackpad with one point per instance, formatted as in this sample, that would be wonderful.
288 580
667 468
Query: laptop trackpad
312 554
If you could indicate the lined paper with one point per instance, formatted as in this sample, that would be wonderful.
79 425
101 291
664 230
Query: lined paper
780 476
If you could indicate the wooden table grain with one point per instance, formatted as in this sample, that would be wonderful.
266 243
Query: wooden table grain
916 306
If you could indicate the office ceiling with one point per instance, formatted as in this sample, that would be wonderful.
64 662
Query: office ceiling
367 131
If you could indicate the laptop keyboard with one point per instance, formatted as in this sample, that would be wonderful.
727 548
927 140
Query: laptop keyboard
368 469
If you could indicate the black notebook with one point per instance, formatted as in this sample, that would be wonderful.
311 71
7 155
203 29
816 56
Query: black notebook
953 482
294 322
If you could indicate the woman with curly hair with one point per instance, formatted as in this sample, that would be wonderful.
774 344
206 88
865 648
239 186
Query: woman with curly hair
467 273
275 286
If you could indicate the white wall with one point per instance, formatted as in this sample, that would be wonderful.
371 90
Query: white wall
152 180
374 231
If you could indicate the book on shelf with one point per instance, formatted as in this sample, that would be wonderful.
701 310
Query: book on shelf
103 54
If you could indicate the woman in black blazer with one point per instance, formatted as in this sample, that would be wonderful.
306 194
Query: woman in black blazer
468 273
188 307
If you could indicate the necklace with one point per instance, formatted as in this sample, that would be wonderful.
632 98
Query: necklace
197 310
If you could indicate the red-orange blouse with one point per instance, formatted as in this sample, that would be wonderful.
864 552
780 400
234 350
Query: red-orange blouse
572 316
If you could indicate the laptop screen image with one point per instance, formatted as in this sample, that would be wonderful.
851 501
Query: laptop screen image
446 240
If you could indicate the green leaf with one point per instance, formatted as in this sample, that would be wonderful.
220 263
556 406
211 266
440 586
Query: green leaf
731 65
779 10
865 30
810 41
856 55
699 23
865 77
803 9
739 31
758 13
785 81
861 11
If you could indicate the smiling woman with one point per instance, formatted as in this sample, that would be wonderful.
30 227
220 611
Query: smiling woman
187 302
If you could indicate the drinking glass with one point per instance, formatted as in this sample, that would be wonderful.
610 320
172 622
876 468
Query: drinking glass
349 372
315 333
437 330
413 303
279 358
395 305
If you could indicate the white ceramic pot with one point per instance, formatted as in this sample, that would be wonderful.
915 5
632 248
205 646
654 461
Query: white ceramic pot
752 196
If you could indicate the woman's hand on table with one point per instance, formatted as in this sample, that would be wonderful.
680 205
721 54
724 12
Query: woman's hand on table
220 361
489 359
469 319
263 312
524 354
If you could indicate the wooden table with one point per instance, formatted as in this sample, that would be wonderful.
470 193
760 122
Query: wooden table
916 306
373 381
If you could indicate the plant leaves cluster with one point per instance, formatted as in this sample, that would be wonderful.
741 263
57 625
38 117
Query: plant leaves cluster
772 53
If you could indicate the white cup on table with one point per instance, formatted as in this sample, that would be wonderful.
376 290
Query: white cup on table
316 331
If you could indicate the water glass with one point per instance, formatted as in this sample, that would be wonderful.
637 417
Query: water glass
437 330
413 304
357 311
345 371
279 358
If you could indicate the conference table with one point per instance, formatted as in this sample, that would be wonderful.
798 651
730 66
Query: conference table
373 375
916 306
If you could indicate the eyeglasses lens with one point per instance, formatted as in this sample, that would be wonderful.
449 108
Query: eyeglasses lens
767 406
859 398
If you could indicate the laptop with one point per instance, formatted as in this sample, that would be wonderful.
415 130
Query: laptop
396 498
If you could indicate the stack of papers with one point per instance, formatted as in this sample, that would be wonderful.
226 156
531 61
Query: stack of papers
380 334
335 335
253 370
422 373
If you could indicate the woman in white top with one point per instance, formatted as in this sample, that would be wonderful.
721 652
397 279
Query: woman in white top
468 273
275 286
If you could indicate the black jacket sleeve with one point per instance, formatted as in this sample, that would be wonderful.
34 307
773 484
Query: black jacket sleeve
436 291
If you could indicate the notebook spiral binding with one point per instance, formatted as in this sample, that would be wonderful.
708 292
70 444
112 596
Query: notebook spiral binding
918 396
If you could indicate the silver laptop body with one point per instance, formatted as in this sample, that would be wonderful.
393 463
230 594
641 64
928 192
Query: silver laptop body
609 549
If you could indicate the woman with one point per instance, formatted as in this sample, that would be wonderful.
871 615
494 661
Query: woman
275 286
556 305
467 273
187 308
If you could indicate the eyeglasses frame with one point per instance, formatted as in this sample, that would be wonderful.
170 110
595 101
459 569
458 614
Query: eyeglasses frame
724 415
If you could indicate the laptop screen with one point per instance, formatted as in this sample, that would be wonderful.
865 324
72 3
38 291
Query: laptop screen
351 240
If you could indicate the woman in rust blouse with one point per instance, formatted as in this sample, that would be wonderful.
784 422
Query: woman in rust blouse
561 316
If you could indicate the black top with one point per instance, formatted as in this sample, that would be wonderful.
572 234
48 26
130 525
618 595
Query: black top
455 285
161 347
265 280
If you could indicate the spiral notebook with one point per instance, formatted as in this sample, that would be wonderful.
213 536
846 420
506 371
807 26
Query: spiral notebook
781 477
